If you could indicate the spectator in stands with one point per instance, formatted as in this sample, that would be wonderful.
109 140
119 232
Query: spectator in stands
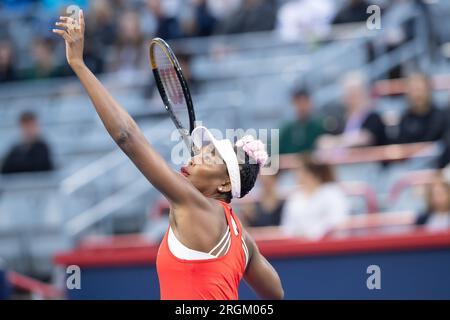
129 49
168 26
252 16
301 134
101 26
101 34
7 67
318 205
444 158
422 121
352 11
202 22
363 126
32 153
437 215
44 65
267 211
305 19
223 9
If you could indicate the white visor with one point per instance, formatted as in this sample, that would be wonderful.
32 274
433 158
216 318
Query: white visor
202 136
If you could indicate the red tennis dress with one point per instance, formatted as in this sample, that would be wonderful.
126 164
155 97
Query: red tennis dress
211 279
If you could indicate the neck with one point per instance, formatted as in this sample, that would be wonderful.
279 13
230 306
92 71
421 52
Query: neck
269 196
220 197
269 200
442 211
312 186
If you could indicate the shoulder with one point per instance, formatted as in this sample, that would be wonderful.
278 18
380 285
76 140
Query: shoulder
316 122
14 148
406 115
295 195
41 143
287 126
440 114
373 117
199 211
332 192
372 114
331 188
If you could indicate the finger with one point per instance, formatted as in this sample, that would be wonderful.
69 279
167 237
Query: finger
62 33
69 21
59 32
68 26
81 19
61 24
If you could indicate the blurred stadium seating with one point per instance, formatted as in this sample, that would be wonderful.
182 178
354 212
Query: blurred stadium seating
241 80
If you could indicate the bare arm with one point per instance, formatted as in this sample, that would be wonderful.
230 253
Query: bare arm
119 124
260 275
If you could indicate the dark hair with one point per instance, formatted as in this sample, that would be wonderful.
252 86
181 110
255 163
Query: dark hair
248 170
27 116
300 92
322 171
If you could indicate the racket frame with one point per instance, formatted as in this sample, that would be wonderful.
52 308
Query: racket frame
185 132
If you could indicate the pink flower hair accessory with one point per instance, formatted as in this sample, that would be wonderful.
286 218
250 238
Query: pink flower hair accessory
255 149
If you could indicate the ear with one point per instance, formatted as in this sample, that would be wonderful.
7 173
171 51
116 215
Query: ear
224 187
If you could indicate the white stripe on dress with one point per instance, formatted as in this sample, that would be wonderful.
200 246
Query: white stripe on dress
226 235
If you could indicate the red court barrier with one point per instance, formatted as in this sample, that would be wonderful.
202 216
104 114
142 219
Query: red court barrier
35 287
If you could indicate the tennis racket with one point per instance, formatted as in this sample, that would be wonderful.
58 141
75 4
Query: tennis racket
173 88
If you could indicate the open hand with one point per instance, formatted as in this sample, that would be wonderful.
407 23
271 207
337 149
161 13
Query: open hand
73 33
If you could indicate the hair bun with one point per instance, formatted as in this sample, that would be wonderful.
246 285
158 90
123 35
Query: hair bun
255 149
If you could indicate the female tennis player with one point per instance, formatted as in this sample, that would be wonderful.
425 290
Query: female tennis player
205 252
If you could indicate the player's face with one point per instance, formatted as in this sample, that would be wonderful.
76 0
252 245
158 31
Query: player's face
207 171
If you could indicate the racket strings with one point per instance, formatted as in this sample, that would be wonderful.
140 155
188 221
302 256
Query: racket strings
173 88
169 79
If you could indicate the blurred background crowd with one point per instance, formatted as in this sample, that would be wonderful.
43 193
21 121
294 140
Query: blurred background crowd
118 30
363 116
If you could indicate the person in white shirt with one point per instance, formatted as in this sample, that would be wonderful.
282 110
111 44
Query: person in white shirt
305 20
318 205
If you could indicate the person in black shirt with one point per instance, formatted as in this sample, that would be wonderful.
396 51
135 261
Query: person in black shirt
444 158
267 211
352 11
30 155
7 69
422 122
252 16
363 126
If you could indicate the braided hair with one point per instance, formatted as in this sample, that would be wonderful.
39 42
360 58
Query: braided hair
248 170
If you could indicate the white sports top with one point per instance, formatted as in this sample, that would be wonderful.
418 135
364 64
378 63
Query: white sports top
180 251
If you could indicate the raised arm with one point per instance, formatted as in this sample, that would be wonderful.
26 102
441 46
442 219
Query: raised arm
119 124
260 275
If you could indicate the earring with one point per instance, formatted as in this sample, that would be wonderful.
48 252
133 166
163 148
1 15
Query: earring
220 188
